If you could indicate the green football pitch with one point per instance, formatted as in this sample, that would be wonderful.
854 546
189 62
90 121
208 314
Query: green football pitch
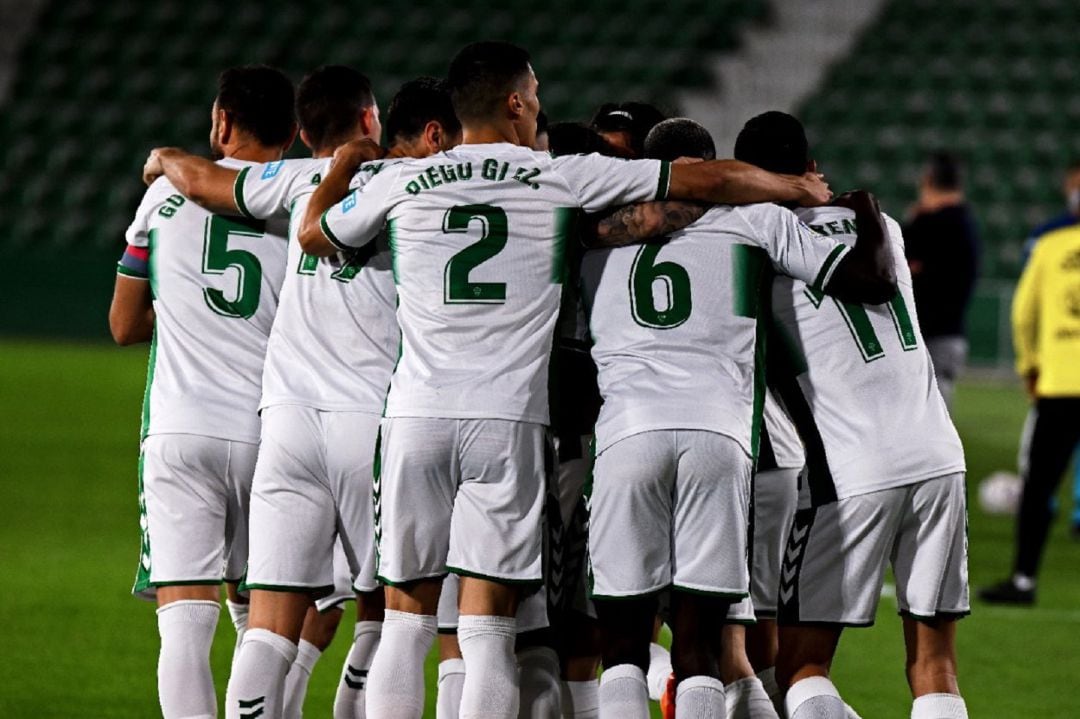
74 642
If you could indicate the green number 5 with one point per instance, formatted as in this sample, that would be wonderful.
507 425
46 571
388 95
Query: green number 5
457 289
218 258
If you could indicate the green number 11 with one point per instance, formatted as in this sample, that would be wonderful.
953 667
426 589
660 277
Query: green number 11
858 322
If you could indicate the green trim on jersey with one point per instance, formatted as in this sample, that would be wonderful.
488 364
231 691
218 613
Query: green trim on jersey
329 234
142 572
827 267
663 184
566 228
391 239
238 193
144 428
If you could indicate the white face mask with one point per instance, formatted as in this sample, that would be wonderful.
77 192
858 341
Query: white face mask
1073 201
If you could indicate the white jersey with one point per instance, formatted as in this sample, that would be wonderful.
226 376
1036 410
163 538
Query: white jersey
785 449
478 236
215 282
861 389
675 322
335 338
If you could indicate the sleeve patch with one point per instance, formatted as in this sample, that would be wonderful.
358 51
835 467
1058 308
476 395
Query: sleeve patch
135 262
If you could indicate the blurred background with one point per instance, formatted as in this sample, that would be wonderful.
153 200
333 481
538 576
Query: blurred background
88 87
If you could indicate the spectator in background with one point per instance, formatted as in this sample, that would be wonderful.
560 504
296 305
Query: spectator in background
1046 334
943 253
624 126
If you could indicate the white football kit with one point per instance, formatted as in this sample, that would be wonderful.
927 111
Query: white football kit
477 235
328 364
858 383
679 352
215 282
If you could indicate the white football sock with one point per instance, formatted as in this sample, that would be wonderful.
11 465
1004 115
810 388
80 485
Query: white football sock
541 695
768 681
746 699
185 684
659 671
238 612
296 681
451 682
349 701
814 698
623 694
395 686
491 678
581 700
257 685
939 706
699 697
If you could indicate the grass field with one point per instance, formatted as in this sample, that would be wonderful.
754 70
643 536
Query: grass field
76 644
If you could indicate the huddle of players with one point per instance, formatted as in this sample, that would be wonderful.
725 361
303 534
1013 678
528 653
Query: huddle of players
471 238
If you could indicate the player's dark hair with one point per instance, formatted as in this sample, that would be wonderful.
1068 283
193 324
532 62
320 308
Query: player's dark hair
573 138
541 122
774 141
481 77
944 170
329 102
636 118
259 100
679 137
417 103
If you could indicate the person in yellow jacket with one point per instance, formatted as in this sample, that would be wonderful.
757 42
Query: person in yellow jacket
1046 334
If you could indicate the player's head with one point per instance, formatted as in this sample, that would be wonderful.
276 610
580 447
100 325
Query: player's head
543 141
625 125
943 172
573 138
421 119
493 84
679 137
253 103
335 104
775 141
1071 186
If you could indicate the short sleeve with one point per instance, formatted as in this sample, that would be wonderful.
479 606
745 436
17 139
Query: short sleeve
135 260
267 191
599 182
358 218
795 249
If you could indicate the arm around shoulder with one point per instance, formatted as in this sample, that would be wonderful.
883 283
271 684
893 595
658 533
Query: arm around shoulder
867 273
732 182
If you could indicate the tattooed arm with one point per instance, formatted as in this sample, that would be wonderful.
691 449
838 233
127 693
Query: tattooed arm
637 223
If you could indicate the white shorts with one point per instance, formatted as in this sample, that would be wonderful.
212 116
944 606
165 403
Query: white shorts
343 585
836 554
532 612
193 498
463 496
776 494
670 509
313 483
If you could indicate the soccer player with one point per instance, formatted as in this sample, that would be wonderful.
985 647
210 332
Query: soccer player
203 290
477 236
625 125
337 315
675 325
884 481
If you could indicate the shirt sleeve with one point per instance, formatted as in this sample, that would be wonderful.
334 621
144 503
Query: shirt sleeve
599 182
795 249
1025 316
266 191
358 219
135 260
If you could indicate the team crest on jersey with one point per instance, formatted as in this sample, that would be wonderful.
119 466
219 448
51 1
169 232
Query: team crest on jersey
272 169
349 203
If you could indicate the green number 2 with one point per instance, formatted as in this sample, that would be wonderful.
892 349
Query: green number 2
218 258
644 274
858 323
457 289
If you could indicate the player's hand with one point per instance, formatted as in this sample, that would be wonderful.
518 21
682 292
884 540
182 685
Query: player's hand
1031 380
815 190
686 161
357 152
856 199
152 168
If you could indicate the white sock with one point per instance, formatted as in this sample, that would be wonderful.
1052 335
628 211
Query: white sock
349 701
395 686
491 689
814 698
623 694
939 706
185 683
257 685
768 681
746 699
541 695
239 613
451 682
699 697
296 681
659 671
581 700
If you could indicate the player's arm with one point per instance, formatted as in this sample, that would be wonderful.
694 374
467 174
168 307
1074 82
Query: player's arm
1025 322
640 222
131 314
316 236
732 182
866 274
203 181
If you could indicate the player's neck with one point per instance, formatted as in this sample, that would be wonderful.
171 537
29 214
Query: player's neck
251 151
486 134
